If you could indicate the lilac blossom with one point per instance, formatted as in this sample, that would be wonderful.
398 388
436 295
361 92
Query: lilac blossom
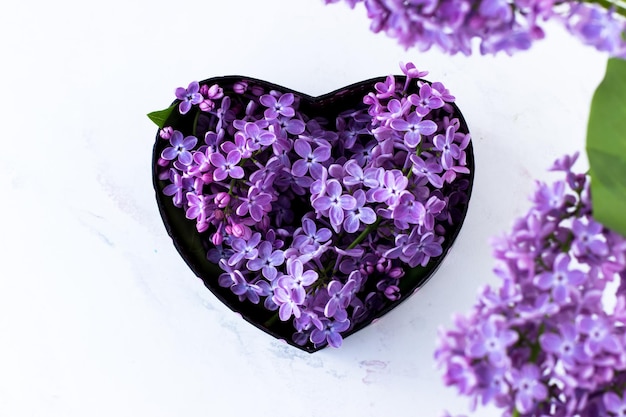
176 188
288 300
562 281
428 169
311 159
391 186
311 235
425 101
589 239
415 127
339 299
248 291
226 167
529 388
449 150
257 203
547 327
355 175
267 260
180 148
244 249
614 403
494 25
297 279
188 96
335 203
331 333
359 214
282 106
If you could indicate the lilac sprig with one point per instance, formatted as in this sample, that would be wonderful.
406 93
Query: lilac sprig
509 26
318 221
550 339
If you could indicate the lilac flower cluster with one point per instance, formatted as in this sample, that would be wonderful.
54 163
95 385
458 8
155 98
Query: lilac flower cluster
550 341
498 25
318 223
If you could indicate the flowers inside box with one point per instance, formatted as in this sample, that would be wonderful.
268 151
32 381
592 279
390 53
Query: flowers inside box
313 216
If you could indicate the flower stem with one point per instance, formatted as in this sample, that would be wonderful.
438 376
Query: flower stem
360 238
271 321
515 413
195 123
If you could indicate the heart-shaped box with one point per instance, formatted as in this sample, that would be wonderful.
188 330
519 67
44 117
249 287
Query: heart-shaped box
193 245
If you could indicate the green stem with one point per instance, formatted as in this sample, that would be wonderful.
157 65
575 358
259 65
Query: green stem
515 413
271 321
231 187
360 238
195 123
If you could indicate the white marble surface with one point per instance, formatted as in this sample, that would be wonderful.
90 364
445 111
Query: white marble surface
99 316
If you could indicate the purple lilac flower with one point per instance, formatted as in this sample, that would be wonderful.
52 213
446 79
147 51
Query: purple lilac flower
415 127
386 89
589 239
428 169
359 214
340 296
428 247
599 335
396 109
331 333
180 148
311 159
425 101
491 340
288 301
529 389
267 260
189 96
257 136
355 175
492 382
166 132
335 202
249 291
176 188
563 344
297 279
408 211
562 281
282 106
230 276
411 71
226 167
495 25
257 203
239 144
311 235
214 92
244 249
614 403
598 27
449 150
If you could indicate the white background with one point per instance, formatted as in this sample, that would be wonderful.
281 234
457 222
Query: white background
99 316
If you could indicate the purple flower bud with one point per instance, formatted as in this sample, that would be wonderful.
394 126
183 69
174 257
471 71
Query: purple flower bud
166 132
222 199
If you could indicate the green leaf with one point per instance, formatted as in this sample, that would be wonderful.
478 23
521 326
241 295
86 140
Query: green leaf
160 117
606 148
